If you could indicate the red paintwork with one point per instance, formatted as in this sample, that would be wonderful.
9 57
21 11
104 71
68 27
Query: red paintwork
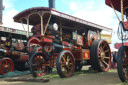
66 45
48 47
7 65
118 45
50 36
126 24
34 40
40 49
47 40
24 57
92 35
20 46
55 55
80 40
86 54
79 48
91 38
81 54
116 4
127 61
19 56
77 54
16 53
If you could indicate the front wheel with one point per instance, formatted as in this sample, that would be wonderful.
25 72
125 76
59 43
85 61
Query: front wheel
37 64
122 63
6 65
65 64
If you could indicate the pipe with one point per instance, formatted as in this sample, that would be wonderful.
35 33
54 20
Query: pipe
52 4
1 8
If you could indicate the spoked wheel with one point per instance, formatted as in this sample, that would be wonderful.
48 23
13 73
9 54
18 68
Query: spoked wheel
100 55
6 65
36 64
65 64
122 63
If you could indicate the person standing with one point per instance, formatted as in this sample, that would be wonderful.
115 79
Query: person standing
114 60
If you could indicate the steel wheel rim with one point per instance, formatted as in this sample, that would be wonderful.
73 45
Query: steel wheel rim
38 66
104 55
6 65
124 60
67 64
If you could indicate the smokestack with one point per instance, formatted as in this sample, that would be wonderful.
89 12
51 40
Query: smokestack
1 8
52 4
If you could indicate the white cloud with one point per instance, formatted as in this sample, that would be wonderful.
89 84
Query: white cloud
8 3
8 19
8 13
73 6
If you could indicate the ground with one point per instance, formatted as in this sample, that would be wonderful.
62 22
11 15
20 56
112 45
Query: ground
83 77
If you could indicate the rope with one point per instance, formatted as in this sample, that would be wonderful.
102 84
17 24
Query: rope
115 11
122 14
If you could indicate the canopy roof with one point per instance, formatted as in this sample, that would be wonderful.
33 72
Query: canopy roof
117 4
64 19
14 33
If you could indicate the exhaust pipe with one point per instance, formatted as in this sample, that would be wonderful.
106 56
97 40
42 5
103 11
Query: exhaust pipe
1 9
52 4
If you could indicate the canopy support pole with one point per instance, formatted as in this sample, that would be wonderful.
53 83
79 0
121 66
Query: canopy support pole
114 11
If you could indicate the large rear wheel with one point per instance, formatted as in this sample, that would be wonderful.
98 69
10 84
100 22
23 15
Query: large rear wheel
122 63
100 55
65 64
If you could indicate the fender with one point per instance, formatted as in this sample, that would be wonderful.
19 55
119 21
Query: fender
34 40
35 50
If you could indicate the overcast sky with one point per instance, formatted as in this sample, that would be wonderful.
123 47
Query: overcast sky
91 10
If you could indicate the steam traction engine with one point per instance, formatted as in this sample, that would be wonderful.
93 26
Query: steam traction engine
63 41
13 51
122 56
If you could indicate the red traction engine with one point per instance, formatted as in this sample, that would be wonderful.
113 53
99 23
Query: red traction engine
63 41
13 50
122 33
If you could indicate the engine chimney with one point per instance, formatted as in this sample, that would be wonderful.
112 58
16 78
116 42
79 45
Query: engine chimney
52 4
1 9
